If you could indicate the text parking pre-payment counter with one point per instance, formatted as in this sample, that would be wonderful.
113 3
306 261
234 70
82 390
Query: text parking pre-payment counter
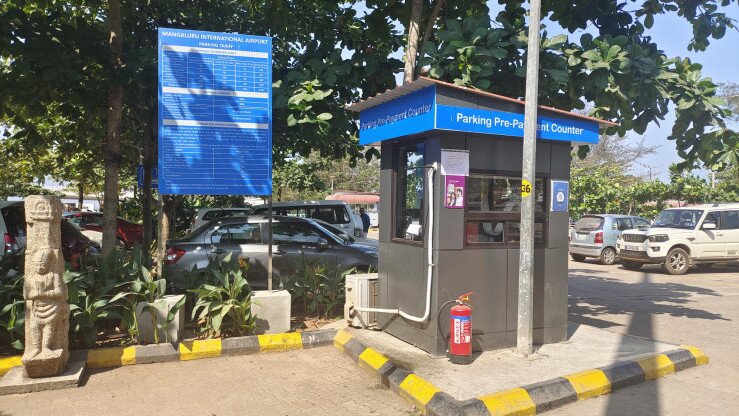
425 125
215 112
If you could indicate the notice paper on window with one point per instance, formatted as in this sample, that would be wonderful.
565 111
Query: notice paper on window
455 162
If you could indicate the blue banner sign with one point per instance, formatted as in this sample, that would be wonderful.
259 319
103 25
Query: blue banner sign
409 114
502 123
418 112
215 113
560 196
154 177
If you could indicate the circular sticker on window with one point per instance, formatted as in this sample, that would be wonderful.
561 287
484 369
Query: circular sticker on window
525 188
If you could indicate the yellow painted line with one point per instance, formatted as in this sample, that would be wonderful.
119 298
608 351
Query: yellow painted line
373 358
420 390
194 350
111 357
656 366
280 342
513 402
589 383
341 338
9 362
700 357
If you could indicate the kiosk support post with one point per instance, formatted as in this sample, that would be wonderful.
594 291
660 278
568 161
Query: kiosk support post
269 243
525 328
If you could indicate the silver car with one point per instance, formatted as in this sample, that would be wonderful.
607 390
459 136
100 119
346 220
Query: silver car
246 237
596 235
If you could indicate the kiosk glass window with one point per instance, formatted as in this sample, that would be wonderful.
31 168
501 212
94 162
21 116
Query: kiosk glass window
493 211
410 192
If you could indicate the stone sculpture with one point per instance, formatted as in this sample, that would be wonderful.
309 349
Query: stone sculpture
47 312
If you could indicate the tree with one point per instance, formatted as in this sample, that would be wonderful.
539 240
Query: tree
617 151
619 70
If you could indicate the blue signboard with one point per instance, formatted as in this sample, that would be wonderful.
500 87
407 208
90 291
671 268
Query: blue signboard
215 113
418 112
502 123
408 114
154 177
560 196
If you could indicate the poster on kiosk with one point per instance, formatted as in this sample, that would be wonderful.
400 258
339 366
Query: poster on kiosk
455 166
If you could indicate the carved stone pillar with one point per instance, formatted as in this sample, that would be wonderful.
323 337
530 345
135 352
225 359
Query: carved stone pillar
47 312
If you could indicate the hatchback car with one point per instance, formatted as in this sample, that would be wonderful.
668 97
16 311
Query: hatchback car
247 237
127 233
596 235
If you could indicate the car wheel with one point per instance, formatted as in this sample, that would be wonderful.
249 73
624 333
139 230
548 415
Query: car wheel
631 265
578 257
608 256
677 261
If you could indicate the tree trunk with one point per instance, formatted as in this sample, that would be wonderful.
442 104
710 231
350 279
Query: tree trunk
113 131
146 199
165 226
411 49
429 28
80 195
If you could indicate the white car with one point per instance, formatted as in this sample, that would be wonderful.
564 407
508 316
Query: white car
682 237
337 213
206 215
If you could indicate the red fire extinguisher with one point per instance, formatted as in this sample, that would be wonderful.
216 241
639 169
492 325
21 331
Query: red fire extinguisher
460 331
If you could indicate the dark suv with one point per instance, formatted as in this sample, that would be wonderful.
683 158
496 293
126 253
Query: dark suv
246 237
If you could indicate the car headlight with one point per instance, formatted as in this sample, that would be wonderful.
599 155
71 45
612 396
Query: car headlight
658 238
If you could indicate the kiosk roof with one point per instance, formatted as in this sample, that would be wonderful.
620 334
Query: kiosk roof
423 82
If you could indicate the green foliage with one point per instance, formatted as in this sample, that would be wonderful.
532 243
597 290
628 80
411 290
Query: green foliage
319 289
223 300
620 71
12 312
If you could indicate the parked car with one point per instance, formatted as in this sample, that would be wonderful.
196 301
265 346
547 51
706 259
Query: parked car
91 223
596 235
247 237
681 237
348 238
206 215
13 229
338 213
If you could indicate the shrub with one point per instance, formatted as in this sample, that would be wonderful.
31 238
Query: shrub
319 288
223 300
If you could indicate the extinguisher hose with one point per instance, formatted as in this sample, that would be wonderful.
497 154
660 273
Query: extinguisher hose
438 318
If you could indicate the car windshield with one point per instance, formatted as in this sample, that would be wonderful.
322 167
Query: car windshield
678 218
70 230
589 224
337 232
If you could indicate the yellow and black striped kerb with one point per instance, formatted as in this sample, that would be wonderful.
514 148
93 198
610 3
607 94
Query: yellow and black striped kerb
525 400
192 350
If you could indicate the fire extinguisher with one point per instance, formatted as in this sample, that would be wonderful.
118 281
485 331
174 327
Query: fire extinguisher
460 331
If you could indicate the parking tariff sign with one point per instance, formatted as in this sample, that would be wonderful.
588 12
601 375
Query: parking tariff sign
215 113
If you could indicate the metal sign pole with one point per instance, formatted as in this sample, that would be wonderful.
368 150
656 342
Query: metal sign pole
269 243
524 337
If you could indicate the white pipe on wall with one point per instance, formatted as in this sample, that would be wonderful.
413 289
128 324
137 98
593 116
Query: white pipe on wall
429 265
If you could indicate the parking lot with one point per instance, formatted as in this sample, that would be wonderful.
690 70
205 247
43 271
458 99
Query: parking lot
700 308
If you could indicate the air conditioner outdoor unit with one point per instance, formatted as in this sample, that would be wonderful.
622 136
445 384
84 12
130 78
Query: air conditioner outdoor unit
361 291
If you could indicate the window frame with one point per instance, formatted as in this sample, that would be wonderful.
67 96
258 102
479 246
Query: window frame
725 219
394 191
507 218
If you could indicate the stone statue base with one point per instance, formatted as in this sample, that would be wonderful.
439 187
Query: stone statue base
16 381
46 364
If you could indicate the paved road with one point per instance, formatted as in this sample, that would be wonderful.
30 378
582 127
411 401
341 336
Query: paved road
319 381
700 308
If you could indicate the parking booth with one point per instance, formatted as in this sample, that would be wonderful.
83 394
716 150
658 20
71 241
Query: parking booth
451 177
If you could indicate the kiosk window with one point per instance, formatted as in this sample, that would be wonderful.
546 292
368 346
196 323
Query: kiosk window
410 192
493 211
